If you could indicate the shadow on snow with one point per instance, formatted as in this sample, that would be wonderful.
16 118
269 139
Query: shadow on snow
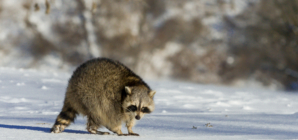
43 129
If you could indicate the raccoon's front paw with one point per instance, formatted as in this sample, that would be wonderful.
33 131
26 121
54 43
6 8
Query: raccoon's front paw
102 133
98 132
133 134
130 134
122 134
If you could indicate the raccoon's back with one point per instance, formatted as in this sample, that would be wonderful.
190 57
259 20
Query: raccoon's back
100 77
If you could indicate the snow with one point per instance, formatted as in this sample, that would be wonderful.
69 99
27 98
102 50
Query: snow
30 100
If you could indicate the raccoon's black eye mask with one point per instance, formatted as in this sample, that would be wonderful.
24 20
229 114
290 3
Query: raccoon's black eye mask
134 108
146 110
131 108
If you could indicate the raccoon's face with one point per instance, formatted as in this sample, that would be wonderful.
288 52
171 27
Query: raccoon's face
138 102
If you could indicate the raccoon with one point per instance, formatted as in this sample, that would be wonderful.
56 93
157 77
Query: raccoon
108 93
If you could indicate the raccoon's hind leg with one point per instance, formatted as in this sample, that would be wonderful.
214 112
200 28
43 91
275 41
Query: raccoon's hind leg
93 125
66 116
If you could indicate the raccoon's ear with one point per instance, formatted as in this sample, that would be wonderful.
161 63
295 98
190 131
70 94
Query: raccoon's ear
128 90
151 93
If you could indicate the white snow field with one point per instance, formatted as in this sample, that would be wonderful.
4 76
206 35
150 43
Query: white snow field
30 100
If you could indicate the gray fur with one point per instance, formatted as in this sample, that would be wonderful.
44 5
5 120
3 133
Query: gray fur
103 89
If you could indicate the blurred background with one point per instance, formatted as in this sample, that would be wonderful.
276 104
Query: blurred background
248 43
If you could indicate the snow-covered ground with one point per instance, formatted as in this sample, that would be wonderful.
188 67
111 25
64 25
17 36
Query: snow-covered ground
30 101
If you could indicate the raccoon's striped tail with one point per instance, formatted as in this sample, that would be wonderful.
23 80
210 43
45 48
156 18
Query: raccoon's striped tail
66 116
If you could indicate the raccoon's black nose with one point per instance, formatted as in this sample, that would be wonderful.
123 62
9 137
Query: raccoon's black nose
138 117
